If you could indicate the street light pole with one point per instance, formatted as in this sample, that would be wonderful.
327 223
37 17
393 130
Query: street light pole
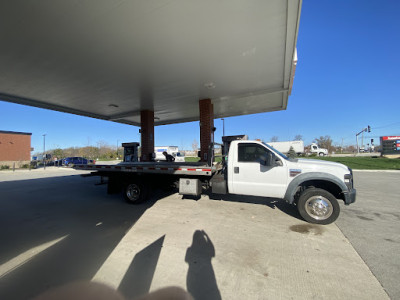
366 129
362 140
44 151
223 127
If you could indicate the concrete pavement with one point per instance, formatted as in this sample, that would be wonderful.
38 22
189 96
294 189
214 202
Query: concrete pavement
233 247
372 225
251 250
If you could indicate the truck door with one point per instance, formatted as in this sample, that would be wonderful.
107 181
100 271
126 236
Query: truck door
250 177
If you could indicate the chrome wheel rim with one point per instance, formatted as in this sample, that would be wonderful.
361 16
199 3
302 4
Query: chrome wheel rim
319 207
133 192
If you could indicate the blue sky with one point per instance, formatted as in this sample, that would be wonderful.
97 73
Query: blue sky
347 77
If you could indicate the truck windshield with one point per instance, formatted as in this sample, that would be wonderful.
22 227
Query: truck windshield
276 151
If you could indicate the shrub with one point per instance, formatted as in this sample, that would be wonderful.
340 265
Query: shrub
291 153
25 166
4 167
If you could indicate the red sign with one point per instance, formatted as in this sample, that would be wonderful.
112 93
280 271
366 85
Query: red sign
385 138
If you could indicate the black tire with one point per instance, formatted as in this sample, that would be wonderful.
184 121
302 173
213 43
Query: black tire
321 154
318 206
135 192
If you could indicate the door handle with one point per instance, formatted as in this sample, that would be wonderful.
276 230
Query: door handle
236 170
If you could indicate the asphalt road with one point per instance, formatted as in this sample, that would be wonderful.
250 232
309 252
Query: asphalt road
62 228
372 225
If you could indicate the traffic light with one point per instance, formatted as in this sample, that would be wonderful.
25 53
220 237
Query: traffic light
369 128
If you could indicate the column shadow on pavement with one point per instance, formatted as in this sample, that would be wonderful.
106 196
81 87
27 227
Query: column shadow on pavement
138 278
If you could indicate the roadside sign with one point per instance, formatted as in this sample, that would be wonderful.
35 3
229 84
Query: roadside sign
390 144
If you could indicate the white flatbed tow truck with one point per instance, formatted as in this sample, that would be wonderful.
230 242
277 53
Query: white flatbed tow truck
247 168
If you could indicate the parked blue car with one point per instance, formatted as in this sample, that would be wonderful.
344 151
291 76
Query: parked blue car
76 161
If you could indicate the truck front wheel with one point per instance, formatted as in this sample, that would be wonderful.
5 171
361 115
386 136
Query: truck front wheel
318 206
135 192
321 154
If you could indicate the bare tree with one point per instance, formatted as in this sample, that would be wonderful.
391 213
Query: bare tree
195 145
298 137
274 138
59 153
350 149
104 148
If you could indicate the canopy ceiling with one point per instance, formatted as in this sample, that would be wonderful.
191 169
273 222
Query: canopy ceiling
111 59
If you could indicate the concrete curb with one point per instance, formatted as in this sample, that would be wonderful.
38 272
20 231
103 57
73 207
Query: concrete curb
384 171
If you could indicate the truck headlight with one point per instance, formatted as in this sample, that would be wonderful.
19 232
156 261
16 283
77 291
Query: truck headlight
348 179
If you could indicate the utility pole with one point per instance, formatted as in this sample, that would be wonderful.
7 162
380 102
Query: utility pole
44 151
341 148
223 127
358 150
362 140
117 148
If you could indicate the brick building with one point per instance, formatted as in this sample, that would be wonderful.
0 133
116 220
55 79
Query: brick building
15 147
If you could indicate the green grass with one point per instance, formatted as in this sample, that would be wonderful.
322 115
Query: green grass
365 163
196 159
360 163
191 159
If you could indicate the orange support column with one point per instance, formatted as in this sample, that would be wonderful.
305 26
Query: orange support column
147 134
206 109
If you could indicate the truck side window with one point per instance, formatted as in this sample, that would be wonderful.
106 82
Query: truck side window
251 152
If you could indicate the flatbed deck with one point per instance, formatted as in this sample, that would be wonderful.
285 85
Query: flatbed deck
192 168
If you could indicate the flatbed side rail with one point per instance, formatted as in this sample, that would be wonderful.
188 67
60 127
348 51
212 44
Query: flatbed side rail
151 168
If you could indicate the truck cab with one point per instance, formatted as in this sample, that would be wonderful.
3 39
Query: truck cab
254 168
314 148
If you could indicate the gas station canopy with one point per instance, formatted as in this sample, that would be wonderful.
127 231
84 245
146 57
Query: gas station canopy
112 59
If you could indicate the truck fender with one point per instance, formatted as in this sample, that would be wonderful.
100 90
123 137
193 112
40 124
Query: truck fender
299 179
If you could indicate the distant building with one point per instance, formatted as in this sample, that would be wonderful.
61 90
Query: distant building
15 147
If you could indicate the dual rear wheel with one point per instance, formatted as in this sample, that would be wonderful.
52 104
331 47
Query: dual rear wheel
135 192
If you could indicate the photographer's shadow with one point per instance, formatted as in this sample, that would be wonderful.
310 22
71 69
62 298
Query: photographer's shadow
201 281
